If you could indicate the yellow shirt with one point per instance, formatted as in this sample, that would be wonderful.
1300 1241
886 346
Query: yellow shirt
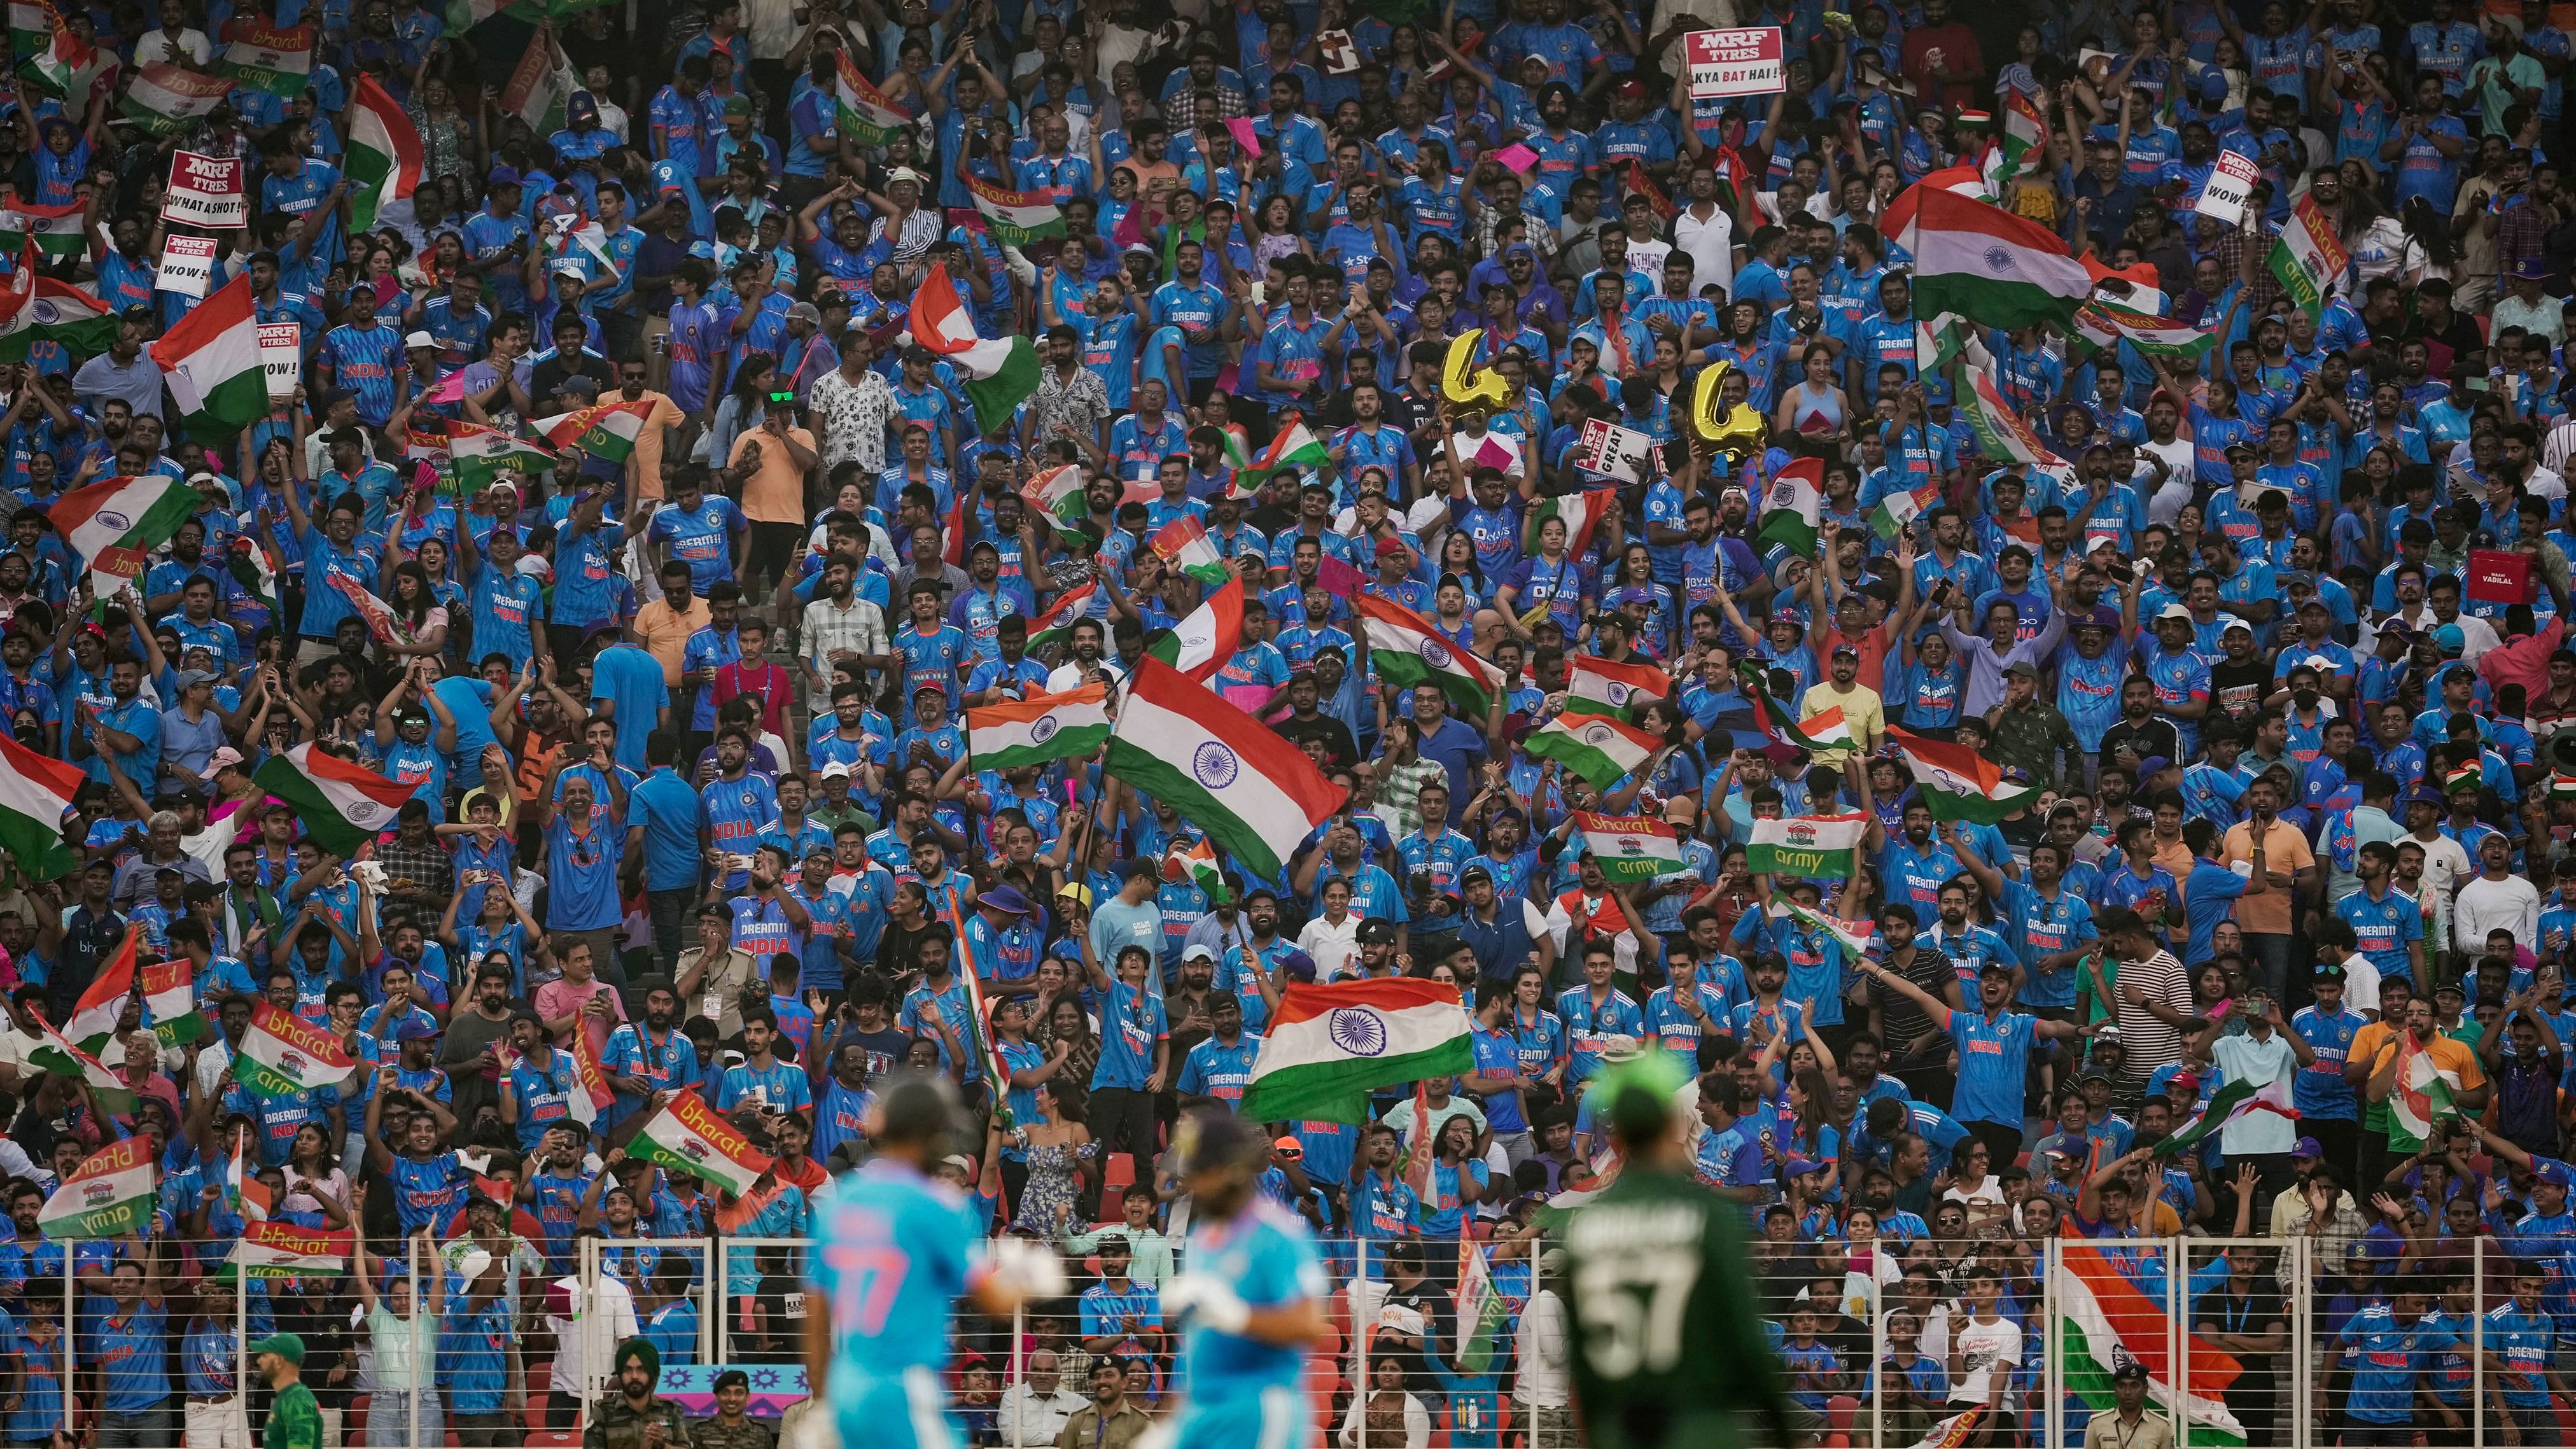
1862 714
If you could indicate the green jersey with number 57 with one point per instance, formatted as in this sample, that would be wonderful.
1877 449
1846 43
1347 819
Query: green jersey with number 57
1668 1346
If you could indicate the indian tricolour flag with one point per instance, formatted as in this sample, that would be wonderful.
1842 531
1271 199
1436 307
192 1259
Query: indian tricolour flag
1827 731
483 454
273 1249
55 56
170 1002
1256 795
864 113
1057 493
689 1136
1936 341
277 59
2106 326
1897 511
107 1196
343 804
1195 861
281 1054
1059 621
2000 431
2309 256
212 360
2423 1097
1957 783
112 524
1858 938
1408 650
378 615
1068 726
36 792
385 157
59 232
1602 750
1016 218
167 99
1809 847
591 1094
1630 847
2025 131
2103 1320
1594 685
1481 1311
1293 446
606 431
1183 544
1978 260
2229 1103
1329 1045
1000 373
1582 513
56 312
92 1022
1201 643
58 1054
1790 508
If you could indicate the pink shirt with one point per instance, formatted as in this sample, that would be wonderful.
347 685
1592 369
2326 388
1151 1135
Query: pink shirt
560 998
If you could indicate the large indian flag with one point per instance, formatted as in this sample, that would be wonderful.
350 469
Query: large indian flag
1000 373
273 1249
56 1053
213 363
2002 432
607 431
111 524
107 1196
1979 260
55 56
170 1002
167 99
2103 1320
1602 750
1068 726
1630 847
2106 326
1293 446
385 157
1809 847
2308 257
343 804
56 312
277 59
1202 642
36 792
689 1136
1059 621
1016 218
281 1054
1409 650
1582 513
2233 1101
1957 783
2423 1097
1330 1045
1256 795
1594 685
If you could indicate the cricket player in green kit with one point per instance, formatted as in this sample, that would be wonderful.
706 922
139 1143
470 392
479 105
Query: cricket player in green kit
294 1419
1656 1265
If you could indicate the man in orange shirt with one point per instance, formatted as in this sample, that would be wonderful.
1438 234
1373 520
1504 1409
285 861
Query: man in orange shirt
2267 918
646 460
663 626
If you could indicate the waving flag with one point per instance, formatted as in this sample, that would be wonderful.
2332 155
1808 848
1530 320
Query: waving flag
385 158
2104 1320
1256 795
1897 510
281 1054
1184 545
1068 726
109 1195
1015 218
93 1020
379 615
1791 507
2135 289
1000 374
607 431
270 1249
1808 847
2308 257
277 59
55 57
1957 783
36 792
111 525
1581 512
60 233
1293 446
167 99
1602 750
2230 1102
1594 685
212 360
482 455
342 804
1858 938
1408 650
2424 1094
865 115
1981 261
1331 1044
591 1094
1630 847
1200 644
1193 861
1057 625
57 1054
686 1135
170 1002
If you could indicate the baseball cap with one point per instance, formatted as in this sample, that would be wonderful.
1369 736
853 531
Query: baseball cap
421 339
2151 764
2173 612
2307 1147
502 176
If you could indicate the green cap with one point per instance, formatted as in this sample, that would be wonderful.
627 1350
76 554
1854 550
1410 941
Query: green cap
287 1346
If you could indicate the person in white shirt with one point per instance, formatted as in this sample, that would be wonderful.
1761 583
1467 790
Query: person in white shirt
1033 1412
610 1309
1984 1352
1332 936
1539 1383
2496 900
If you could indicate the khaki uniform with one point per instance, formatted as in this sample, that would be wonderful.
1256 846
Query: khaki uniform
1085 1431
617 1424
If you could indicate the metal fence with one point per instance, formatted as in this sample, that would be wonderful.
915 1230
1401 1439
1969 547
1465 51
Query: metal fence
2244 1342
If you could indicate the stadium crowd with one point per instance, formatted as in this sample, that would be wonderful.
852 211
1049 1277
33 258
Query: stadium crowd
2238 905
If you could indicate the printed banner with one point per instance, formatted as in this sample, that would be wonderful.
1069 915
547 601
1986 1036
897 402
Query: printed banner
281 353
206 191
1734 62
2230 185
1615 452
187 265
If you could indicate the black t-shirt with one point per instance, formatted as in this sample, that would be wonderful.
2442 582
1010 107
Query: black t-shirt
2237 690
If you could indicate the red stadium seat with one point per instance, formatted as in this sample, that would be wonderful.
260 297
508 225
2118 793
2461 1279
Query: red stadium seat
1840 1413
555 1439
353 1424
1439 1439
1113 1205
1121 1171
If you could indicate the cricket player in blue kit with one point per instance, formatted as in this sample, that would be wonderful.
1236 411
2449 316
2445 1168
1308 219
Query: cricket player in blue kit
1251 1304
897 1251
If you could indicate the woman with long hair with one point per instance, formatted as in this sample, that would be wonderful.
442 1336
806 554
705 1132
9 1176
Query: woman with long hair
1636 570
1388 1415
314 1181
1274 233
744 405
1069 1027
2429 250
416 610
1059 1150
1929 686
